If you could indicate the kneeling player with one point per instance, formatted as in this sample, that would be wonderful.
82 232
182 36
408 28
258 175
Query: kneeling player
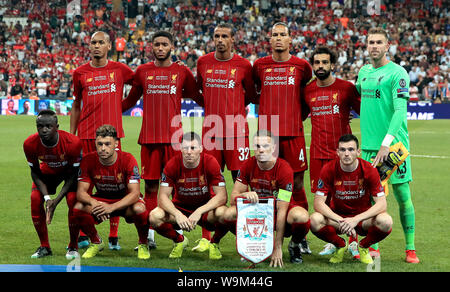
268 175
193 177
351 183
54 157
115 175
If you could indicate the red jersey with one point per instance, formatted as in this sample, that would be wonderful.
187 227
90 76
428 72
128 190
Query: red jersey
162 89
101 91
192 187
227 88
330 109
55 160
280 84
350 192
267 183
110 181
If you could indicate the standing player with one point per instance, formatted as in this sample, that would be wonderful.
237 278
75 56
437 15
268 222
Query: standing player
351 184
54 157
384 89
280 78
268 175
330 100
98 92
195 182
227 88
115 176
162 84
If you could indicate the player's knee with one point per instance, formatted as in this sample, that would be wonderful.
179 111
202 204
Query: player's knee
230 214
317 221
298 215
138 208
383 222
156 217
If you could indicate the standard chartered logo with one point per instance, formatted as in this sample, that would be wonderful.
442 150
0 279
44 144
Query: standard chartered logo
291 80
231 84
173 89
113 87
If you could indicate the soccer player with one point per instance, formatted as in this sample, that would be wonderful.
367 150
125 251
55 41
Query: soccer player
227 88
384 89
54 157
98 91
329 100
280 78
268 175
195 182
350 183
115 176
162 84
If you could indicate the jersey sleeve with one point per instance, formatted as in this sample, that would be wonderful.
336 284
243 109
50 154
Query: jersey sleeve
127 74
249 85
77 87
190 87
75 152
354 99
243 175
169 175
400 95
132 169
325 181
307 74
285 181
30 155
374 183
214 173
83 173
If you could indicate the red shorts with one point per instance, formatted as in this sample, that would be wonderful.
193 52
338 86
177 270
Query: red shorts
315 166
88 145
118 212
153 159
231 152
203 222
293 150
52 182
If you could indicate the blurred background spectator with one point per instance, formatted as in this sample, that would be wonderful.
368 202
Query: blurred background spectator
42 42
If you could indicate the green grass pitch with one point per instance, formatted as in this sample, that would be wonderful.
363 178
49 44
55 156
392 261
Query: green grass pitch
430 142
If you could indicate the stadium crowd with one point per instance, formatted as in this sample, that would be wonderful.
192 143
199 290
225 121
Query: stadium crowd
38 56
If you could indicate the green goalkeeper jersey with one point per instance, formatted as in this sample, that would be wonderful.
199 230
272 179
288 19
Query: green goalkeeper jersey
384 96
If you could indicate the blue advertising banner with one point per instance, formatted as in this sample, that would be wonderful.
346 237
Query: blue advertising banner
416 111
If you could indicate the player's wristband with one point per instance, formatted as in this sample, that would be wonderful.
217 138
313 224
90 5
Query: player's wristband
47 197
387 140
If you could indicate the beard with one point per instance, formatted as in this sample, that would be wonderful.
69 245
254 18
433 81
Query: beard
322 75
162 59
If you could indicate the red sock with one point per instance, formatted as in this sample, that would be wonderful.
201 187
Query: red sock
220 231
86 222
231 226
74 229
167 230
299 231
374 235
151 200
206 234
328 233
38 217
142 224
114 226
